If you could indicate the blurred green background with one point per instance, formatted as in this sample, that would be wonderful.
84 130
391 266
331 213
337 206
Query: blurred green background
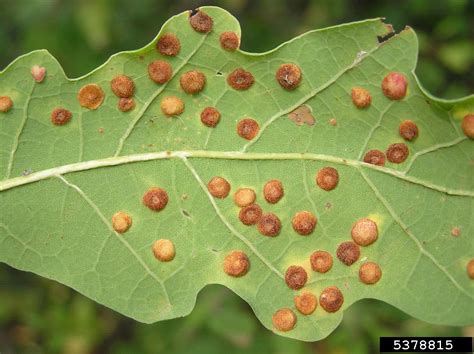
42 316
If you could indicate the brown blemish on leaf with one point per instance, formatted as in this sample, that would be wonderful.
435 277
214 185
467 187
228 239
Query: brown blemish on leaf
251 214
397 153
60 116
239 79
370 273
284 320
269 225
164 250
375 157
348 252
155 199
248 128
327 178
200 21
236 264
121 222
306 302
364 232
218 187
172 106
91 96
296 277
6 104
101 130
122 86
160 71
333 122
394 86
168 44
361 97
467 125
321 261
229 41
456 231
470 268
331 299
273 191
126 104
304 222
210 117
192 82
288 76
38 73
244 197
408 130
302 115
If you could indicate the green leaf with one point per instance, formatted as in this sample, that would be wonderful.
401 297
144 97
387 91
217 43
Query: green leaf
61 184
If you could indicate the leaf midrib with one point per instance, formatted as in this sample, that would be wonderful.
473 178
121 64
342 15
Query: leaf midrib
226 155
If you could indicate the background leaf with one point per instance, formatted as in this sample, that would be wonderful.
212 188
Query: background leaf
59 227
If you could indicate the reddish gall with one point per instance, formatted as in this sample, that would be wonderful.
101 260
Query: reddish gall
470 268
467 125
408 130
296 277
288 76
218 187
200 21
269 225
6 104
121 222
394 86
348 252
370 273
126 104
239 79
172 106
38 73
397 153
164 250
375 157
364 232
304 222
155 199
361 97
160 71
91 96
192 82
251 214
456 232
229 41
327 178
273 191
306 303
122 86
236 264
60 116
321 261
331 299
244 197
168 45
284 320
210 117
248 128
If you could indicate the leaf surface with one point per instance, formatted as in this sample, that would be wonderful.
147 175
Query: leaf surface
60 185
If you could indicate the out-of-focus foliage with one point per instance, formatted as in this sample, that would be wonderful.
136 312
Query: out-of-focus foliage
82 34
41 316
